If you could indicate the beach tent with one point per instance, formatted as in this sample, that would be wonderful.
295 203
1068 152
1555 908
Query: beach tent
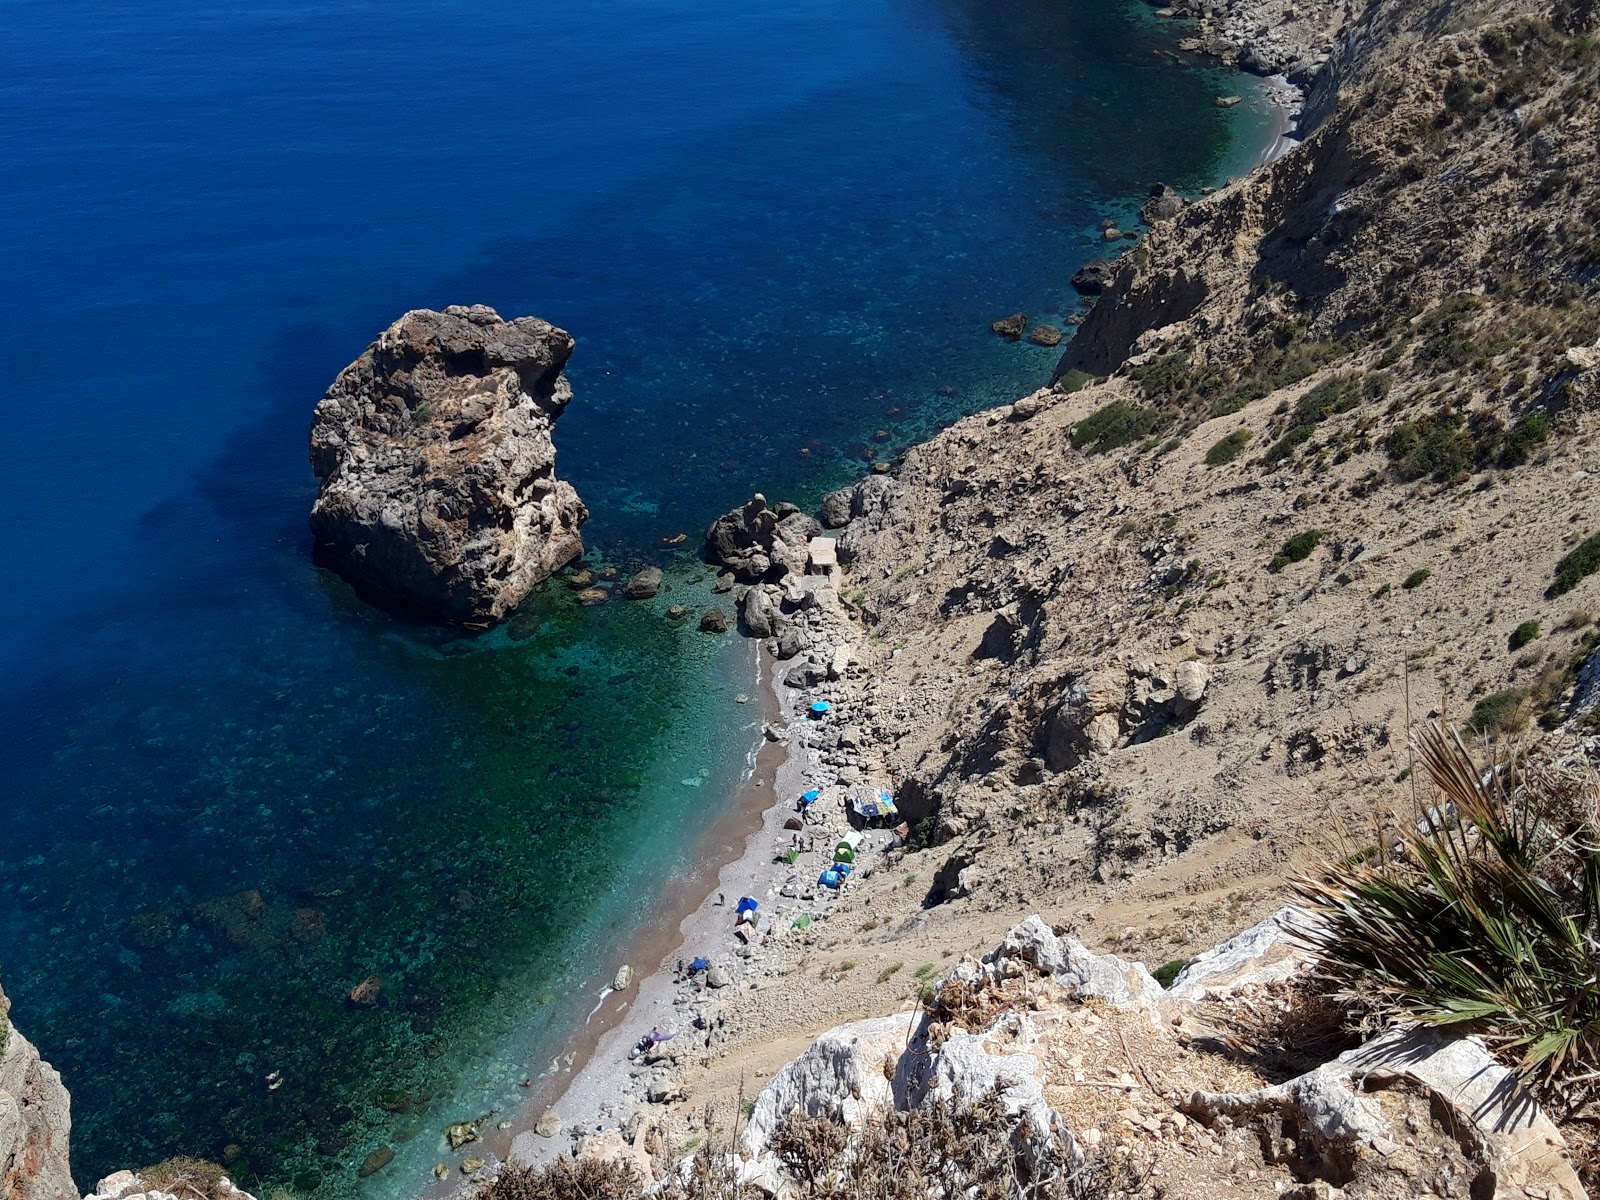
809 798
830 878
844 852
853 839
820 709
800 922
843 869
746 904
699 964
886 804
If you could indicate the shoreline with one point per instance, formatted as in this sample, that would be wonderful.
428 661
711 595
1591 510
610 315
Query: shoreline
600 1093
602 1096
1287 104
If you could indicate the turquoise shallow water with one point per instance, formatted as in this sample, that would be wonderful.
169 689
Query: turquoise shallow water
232 791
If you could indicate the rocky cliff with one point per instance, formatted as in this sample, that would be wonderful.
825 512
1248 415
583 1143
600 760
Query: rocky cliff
434 450
35 1121
1319 464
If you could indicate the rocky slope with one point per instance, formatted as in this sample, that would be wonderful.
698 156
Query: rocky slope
35 1121
438 473
1319 463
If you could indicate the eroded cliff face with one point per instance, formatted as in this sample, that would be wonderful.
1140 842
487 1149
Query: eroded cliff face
434 450
35 1121
1449 150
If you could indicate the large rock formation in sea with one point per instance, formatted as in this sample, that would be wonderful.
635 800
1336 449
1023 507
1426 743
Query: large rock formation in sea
35 1121
439 490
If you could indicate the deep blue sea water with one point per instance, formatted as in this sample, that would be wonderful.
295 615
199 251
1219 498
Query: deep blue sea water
232 791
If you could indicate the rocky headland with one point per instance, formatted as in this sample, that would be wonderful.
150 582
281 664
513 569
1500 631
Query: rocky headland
439 491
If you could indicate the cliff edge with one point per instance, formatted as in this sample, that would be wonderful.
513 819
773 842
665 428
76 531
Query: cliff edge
35 1121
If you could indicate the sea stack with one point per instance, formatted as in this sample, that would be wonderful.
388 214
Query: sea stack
439 490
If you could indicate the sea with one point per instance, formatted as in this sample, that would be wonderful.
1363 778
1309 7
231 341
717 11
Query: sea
230 790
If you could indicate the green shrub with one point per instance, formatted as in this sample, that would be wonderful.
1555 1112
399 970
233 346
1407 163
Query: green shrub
1576 566
1226 449
1168 971
1296 549
1501 712
1416 579
1484 919
1074 381
1530 431
1432 445
1117 424
1523 634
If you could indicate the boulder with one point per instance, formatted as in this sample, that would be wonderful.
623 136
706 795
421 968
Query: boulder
792 641
1093 277
714 620
716 977
835 510
1012 327
644 585
1190 679
376 1161
438 478
1164 204
754 541
840 1076
1045 335
548 1125
758 612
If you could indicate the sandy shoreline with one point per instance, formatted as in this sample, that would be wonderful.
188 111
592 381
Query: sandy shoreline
1285 101
597 1091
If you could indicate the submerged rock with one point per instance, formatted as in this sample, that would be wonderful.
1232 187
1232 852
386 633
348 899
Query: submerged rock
1012 327
644 585
438 473
714 621
1045 335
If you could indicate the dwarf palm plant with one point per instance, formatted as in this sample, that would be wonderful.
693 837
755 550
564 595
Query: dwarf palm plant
1484 915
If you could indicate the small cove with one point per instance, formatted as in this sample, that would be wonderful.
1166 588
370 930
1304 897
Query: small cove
234 791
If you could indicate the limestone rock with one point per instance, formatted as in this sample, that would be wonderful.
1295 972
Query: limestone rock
839 1076
1045 335
549 1124
714 620
755 541
35 1121
438 472
1264 953
1012 327
1190 678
